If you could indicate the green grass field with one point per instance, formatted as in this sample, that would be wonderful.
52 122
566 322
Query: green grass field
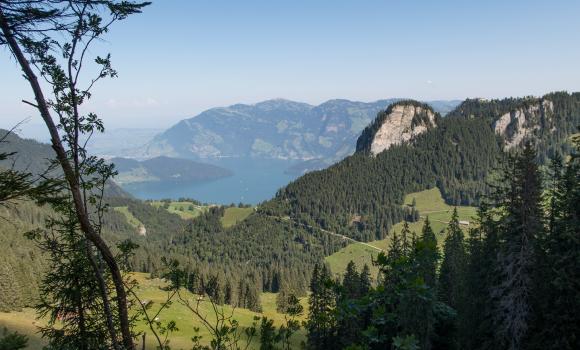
429 203
187 210
234 215
25 321
133 221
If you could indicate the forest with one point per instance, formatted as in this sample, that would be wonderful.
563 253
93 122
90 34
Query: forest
511 283
457 156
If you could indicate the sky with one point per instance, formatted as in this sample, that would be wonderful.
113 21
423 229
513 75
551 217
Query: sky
181 57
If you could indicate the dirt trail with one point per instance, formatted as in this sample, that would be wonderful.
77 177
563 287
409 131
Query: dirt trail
328 232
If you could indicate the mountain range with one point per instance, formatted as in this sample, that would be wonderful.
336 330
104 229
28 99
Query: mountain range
273 129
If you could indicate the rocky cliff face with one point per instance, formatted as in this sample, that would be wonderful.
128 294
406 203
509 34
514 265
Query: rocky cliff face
400 127
524 122
400 123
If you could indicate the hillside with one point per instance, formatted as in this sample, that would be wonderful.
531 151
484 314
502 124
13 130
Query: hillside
429 203
234 243
166 169
273 129
361 196
31 156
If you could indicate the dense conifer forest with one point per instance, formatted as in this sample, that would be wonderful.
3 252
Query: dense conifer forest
512 283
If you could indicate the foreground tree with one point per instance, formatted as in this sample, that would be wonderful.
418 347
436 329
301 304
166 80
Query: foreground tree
451 277
52 39
521 225
556 314
321 322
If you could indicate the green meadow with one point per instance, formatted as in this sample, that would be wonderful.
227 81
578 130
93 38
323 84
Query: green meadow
150 290
187 210
233 215
430 204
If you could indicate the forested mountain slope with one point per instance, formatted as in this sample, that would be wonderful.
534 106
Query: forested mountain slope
34 157
259 254
362 195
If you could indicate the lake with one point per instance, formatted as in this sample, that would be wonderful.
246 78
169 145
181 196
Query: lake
254 181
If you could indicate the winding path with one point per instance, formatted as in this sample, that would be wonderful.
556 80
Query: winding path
346 238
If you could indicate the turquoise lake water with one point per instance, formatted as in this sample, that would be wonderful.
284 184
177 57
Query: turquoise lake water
254 181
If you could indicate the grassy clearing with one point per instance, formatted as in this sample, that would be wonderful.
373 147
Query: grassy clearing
187 210
233 215
357 252
132 220
429 203
25 321
186 322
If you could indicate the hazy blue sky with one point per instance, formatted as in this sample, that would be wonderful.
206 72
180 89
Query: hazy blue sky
181 57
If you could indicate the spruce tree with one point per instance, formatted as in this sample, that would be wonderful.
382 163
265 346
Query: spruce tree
428 255
561 300
452 275
351 282
482 247
520 226
365 280
348 318
321 322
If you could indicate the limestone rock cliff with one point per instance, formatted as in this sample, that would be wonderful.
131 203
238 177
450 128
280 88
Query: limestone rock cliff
524 122
400 123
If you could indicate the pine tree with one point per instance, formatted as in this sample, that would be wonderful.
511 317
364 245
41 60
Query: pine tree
407 238
70 293
451 277
426 257
321 322
561 298
482 247
395 248
520 226
365 280
348 319
351 282
228 298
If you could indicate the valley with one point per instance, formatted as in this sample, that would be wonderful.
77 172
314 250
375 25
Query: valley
429 203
